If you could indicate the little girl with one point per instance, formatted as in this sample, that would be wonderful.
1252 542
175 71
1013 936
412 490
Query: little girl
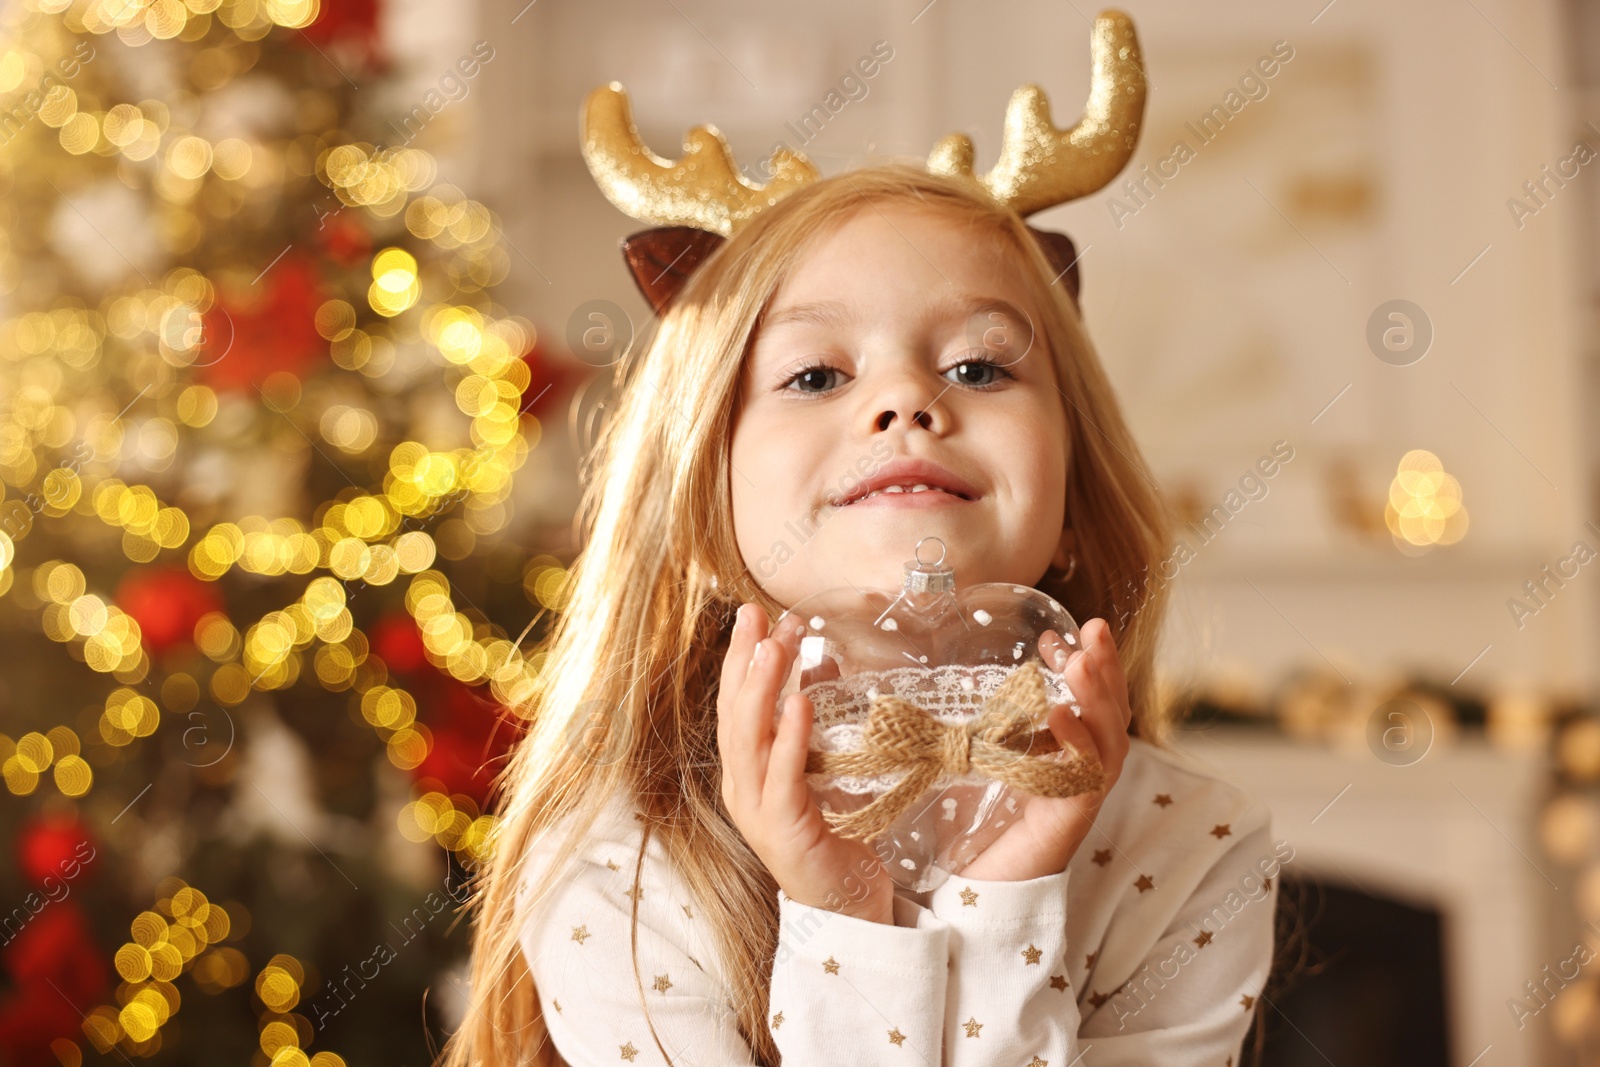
664 888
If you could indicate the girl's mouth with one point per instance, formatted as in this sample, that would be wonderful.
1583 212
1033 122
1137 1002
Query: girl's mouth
910 483
913 496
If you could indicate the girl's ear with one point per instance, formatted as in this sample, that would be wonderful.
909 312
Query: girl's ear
1065 549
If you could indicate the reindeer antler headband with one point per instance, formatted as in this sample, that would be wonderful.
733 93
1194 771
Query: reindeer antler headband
700 199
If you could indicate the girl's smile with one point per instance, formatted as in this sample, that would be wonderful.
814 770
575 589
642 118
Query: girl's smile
920 496
909 483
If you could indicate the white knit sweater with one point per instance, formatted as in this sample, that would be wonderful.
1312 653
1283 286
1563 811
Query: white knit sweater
1151 948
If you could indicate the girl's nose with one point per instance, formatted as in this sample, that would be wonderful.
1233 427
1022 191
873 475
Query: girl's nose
905 399
886 418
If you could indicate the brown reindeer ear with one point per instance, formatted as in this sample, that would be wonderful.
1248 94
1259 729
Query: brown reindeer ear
661 259
1063 257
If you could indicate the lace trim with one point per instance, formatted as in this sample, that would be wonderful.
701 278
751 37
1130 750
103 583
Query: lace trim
953 694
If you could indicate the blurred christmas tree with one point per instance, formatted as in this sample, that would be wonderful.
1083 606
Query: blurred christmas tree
259 421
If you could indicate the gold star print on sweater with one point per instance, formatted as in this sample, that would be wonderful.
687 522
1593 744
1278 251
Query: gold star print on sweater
1174 848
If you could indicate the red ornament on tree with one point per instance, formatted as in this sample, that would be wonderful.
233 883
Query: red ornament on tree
549 381
349 27
346 240
50 958
166 602
253 334
470 735
53 847
53 966
395 640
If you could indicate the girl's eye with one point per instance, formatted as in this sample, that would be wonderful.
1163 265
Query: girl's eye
980 372
976 372
814 378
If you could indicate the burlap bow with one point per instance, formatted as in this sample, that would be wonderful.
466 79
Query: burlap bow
1000 742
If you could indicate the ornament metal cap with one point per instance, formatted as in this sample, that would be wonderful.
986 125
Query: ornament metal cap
935 577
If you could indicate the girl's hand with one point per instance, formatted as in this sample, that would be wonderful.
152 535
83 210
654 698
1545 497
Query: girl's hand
764 786
1051 830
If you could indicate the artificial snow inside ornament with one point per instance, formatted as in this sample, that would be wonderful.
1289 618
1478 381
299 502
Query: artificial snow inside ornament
930 703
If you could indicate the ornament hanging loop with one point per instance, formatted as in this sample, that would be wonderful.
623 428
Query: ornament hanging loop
922 577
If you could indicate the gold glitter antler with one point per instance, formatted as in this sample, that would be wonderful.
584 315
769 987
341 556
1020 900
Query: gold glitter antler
1041 166
703 189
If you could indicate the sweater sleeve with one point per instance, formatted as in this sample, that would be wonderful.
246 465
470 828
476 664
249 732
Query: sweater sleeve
607 1001
1192 996
852 991
1008 999
843 990
1187 1003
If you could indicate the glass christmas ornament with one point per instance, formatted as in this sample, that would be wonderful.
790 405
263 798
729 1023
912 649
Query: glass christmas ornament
929 733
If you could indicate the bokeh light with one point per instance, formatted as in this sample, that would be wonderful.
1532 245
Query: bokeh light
1424 507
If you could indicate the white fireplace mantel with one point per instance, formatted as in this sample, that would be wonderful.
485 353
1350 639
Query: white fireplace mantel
1455 831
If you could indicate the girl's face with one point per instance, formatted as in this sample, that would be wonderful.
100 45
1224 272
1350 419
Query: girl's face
900 351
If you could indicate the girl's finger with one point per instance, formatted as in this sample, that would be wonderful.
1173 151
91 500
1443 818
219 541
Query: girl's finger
789 631
1057 654
1064 658
785 791
1100 717
745 762
783 640
1115 741
1062 719
754 710
749 628
741 669
1069 730
1053 650
1110 664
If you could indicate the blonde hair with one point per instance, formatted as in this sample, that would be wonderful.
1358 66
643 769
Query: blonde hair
626 697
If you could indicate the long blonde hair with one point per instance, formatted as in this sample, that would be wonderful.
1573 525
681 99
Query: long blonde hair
626 697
